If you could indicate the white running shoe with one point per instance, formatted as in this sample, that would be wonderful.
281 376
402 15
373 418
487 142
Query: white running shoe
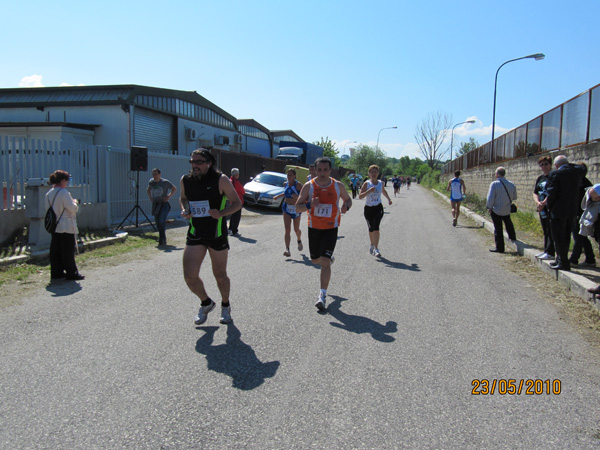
203 313
377 253
546 257
371 248
539 255
321 303
225 315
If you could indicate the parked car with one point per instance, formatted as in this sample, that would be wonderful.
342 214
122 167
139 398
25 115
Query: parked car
261 189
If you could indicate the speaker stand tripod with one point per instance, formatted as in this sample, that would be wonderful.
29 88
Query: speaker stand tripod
137 207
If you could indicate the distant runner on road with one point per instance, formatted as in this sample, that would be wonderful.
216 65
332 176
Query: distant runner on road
396 183
292 189
457 189
372 190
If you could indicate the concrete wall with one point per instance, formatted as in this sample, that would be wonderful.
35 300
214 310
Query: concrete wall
524 171
90 216
10 221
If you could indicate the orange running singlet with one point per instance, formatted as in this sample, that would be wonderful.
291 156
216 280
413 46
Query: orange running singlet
327 214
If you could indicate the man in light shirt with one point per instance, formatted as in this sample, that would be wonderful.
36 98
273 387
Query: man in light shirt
499 198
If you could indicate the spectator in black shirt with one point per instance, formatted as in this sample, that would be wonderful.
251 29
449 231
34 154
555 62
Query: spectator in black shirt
539 197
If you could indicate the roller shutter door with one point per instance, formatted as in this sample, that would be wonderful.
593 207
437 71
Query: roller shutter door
154 130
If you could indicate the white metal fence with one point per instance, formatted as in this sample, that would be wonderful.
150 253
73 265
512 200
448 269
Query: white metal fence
121 182
103 172
22 159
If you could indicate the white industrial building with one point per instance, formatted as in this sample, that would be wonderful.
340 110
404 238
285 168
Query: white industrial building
163 120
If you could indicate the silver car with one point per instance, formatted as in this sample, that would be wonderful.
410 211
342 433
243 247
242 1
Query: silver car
262 188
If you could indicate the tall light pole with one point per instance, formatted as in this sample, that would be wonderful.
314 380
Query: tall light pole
386 128
537 57
452 138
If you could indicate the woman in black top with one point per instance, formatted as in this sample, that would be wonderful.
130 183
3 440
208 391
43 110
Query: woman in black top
539 197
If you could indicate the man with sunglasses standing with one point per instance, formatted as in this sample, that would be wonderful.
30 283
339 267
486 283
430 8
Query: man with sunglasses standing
204 193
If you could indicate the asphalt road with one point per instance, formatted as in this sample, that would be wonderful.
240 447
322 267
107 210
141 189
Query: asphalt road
118 362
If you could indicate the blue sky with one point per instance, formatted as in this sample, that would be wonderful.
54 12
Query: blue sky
337 69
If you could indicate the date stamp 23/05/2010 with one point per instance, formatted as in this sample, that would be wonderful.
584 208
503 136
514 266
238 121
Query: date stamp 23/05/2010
515 387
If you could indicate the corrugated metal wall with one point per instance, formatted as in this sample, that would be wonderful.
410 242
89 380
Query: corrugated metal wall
154 130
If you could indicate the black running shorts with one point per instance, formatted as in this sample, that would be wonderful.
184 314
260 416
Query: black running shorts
220 243
374 214
321 242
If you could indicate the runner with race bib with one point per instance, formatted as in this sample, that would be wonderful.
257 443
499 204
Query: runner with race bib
288 206
371 191
204 195
324 194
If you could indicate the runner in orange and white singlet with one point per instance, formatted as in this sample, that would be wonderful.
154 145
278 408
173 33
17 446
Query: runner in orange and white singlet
324 194
327 213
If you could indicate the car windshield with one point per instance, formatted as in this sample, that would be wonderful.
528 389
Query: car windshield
270 178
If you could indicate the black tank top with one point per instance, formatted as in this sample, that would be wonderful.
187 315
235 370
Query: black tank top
204 190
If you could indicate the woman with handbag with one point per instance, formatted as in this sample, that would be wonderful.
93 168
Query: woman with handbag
62 245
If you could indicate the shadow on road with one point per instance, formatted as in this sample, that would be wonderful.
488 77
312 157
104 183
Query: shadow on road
63 288
398 265
360 324
471 227
168 248
305 260
235 358
244 239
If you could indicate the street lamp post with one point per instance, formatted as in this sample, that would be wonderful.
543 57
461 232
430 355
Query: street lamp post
351 142
386 128
452 137
537 57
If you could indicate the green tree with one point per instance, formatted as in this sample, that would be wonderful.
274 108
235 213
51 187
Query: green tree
404 166
329 150
422 170
466 147
364 156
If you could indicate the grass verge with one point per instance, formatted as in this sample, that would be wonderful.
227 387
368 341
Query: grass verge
17 280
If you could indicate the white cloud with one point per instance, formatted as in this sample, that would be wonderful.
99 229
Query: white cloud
344 145
36 81
478 130
31 81
410 149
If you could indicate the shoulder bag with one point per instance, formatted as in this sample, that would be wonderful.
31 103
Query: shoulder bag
513 207
50 220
